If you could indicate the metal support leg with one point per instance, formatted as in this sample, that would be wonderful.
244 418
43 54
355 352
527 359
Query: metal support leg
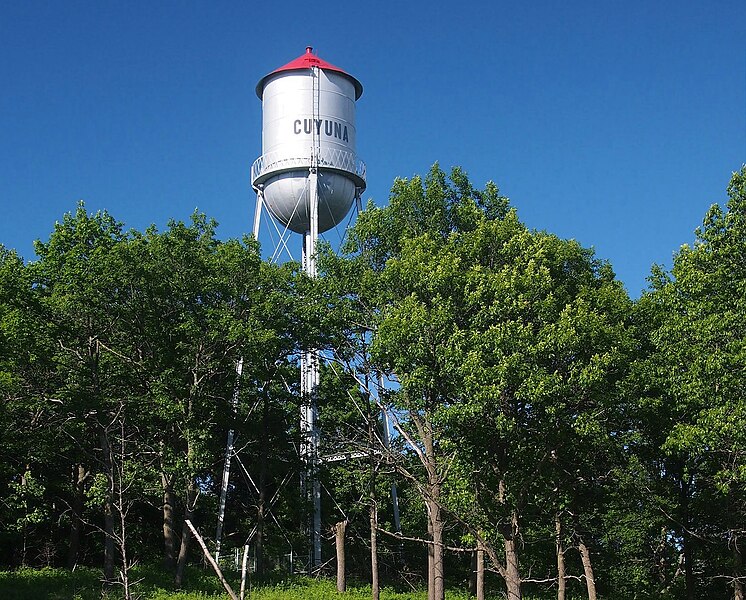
258 210
394 492
227 465
311 486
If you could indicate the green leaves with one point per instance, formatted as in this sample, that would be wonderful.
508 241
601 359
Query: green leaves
696 315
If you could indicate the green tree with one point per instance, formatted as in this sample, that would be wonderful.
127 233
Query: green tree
541 344
197 307
506 343
400 278
28 455
700 361
77 280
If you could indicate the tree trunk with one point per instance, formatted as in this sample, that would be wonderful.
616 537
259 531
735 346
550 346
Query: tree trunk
512 574
480 572
438 567
686 541
590 581
430 565
260 521
375 588
738 591
374 583
186 534
169 534
24 483
80 475
122 509
211 560
473 574
109 517
339 542
436 570
561 581
688 565
262 502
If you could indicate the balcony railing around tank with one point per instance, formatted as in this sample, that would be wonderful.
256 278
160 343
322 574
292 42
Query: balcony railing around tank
331 158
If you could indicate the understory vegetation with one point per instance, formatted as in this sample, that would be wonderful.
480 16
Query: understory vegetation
86 583
497 417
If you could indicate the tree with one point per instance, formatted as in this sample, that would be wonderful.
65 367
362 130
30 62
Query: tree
196 308
538 360
77 279
506 343
400 283
700 354
17 412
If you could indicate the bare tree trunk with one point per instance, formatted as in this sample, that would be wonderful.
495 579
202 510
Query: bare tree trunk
438 567
473 574
191 498
430 562
590 581
512 574
561 581
261 519
686 544
109 518
80 475
244 570
262 503
374 583
211 560
480 572
738 591
123 551
169 534
339 543
686 541
375 587
122 508
24 483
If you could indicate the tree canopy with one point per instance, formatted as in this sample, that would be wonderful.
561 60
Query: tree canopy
586 443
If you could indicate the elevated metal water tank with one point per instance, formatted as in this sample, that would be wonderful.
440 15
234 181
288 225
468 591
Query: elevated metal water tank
308 122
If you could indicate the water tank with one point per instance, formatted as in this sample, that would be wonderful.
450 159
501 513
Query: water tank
308 119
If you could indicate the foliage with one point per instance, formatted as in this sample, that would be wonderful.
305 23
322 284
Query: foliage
695 411
85 584
540 413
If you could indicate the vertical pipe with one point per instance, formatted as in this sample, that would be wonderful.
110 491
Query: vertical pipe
305 414
314 374
310 484
313 362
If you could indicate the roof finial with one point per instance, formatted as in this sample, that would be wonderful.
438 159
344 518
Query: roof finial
309 49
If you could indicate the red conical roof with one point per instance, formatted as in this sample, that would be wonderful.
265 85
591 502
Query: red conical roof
306 61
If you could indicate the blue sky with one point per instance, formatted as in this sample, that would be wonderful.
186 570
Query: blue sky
614 123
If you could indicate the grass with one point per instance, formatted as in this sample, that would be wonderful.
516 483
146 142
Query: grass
153 584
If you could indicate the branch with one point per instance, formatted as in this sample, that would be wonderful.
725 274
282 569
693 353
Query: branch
404 538
212 562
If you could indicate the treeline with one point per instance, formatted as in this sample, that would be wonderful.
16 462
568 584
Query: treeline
549 436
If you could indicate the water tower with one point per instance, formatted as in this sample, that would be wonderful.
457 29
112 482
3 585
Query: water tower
307 178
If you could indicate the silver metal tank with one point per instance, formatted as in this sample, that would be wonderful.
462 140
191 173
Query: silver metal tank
308 121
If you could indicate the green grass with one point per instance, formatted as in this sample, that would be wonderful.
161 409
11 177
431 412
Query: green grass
153 584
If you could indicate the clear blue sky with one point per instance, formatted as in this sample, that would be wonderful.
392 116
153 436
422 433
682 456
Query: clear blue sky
615 123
